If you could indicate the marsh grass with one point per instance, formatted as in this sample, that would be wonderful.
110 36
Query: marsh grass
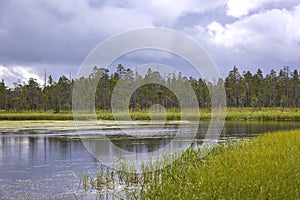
266 167
36 116
266 114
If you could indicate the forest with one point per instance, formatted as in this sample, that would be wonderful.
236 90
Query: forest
244 89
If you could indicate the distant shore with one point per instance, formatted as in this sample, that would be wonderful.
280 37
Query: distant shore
267 114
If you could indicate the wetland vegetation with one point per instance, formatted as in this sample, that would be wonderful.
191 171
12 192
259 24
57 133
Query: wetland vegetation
265 167
276 114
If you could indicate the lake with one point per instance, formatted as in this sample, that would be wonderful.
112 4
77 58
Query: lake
48 164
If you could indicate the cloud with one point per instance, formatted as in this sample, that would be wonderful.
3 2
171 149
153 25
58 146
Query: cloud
59 31
14 74
269 39
60 34
65 31
166 12
259 33
238 8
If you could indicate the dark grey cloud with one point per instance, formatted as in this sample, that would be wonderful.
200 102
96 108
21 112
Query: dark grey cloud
36 31
204 18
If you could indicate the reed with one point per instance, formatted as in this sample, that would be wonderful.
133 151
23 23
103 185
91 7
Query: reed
266 167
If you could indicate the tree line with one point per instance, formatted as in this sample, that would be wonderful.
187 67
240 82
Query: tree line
242 90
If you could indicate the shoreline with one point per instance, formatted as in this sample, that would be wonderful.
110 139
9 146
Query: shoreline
244 114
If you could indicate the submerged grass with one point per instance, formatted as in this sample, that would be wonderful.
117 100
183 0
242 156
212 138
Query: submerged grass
266 167
266 114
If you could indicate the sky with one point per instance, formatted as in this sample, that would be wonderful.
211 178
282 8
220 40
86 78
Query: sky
56 36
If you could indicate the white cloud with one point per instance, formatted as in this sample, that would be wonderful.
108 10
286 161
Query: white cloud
268 39
238 8
13 74
272 32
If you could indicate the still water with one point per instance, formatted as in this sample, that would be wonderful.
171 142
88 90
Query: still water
49 165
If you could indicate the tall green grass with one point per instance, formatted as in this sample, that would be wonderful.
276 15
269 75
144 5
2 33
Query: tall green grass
266 167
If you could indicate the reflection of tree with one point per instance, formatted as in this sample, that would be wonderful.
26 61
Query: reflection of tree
33 149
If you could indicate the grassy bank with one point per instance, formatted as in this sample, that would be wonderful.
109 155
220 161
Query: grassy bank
278 114
266 167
